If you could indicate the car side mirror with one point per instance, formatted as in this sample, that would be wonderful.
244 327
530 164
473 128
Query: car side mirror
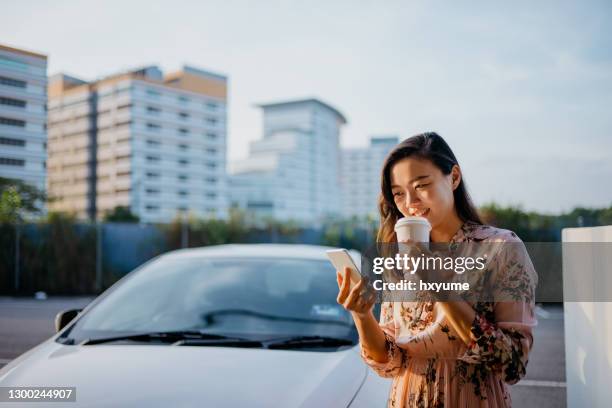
64 317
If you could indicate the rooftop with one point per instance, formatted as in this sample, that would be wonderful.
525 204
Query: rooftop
22 52
189 79
305 102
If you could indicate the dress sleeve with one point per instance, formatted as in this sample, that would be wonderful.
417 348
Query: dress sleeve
501 333
395 355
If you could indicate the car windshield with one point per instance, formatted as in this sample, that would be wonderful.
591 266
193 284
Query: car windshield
253 298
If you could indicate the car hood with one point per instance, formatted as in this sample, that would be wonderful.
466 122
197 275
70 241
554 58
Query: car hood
185 376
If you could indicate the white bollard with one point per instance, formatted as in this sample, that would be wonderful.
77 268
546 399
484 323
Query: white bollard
588 324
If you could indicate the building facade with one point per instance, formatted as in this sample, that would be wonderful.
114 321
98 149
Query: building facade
23 116
154 143
360 176
292 173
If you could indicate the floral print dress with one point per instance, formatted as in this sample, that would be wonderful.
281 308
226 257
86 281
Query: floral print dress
432 366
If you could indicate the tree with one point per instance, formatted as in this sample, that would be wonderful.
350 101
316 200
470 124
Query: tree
18 198
10 205
121 214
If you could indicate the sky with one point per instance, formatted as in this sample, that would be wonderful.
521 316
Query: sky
522 91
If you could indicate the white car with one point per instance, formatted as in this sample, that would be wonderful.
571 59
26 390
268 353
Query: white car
225 326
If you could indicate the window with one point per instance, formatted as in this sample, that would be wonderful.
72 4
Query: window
181 208
211 105
183 177
153 143
183 147
153 158
12 122
211 195
183 162
211 150
153 93
12 102
183 99
211 180
183 131
211 121
152 191
183 193
151 207
12 82
211 165
11 162
123 123
153 126
121 91
13 142
183 115
152 174
211 136
260 204
151 110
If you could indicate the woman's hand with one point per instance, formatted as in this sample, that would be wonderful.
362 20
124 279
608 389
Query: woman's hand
359 300
420 250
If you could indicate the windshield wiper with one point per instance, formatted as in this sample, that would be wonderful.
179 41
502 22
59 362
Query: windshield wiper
309 341
165 337
198 338
209 317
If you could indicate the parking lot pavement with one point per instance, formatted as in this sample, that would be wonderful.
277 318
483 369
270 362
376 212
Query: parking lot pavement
544 385
25 322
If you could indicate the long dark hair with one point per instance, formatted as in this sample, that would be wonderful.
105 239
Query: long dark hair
432 147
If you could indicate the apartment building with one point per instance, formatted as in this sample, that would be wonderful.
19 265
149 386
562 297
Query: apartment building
292 173
152 142
23 116
360 176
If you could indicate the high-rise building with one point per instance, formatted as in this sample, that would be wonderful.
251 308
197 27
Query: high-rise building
292 173
23 116
360 176
156 144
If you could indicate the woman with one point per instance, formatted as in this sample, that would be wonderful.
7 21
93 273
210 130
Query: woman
441 353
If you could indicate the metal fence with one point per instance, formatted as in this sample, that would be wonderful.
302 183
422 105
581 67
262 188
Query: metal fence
65 258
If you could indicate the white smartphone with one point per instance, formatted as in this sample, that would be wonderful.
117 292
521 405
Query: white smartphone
341 259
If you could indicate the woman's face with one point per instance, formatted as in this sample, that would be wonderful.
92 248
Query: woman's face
420 188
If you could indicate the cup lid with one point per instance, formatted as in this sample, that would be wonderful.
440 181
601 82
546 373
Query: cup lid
412 220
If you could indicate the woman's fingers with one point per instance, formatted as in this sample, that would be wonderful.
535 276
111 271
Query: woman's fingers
422 246
353 295
344 287
348 296
357 298
360 299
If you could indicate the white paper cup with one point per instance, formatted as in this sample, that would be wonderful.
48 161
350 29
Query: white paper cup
412 228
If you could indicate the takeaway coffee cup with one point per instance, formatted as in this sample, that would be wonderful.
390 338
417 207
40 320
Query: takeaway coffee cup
412 228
